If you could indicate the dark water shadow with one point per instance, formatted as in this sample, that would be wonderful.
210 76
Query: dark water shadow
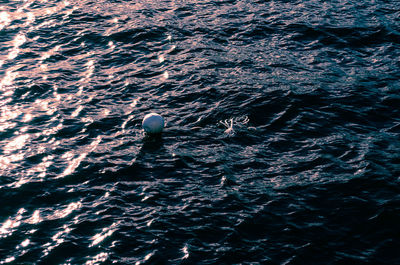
152 144
145 162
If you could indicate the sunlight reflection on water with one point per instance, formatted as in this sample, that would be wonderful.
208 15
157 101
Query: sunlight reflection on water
74 163
98 259
8 227
76 78
58 239
61 213
106 232
4 19
18 41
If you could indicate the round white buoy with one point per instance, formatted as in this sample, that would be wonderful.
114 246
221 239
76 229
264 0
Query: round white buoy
153 123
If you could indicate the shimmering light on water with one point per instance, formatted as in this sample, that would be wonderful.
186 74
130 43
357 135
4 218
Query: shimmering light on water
77 111
18 41
146 258
57 239
281 144
61 213
150 222
185 252
30 18
25 243
8 227
4 19
111 45
74 163
166 75
17 143
8 260
98 259
7 81
106 232
90 68
50 53
35 219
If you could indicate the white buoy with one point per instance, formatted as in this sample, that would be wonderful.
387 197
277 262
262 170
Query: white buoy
153 123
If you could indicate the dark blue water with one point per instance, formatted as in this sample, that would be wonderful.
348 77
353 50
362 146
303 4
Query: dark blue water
281 144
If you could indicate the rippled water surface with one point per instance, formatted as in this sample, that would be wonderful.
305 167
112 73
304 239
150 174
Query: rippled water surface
281 143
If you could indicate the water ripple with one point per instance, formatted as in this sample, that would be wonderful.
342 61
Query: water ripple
280 147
